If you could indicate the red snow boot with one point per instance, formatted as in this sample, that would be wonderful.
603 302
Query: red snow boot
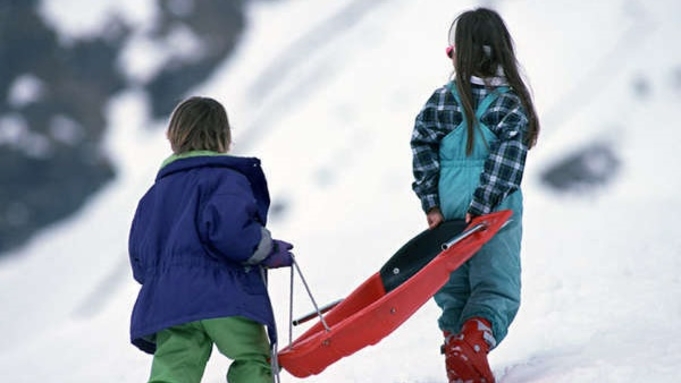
466 353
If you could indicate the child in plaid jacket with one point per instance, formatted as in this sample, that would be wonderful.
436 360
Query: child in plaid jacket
469 145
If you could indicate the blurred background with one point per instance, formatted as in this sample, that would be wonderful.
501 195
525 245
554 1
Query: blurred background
63 60
57 82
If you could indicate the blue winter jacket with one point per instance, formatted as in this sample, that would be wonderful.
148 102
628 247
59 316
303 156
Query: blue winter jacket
195 243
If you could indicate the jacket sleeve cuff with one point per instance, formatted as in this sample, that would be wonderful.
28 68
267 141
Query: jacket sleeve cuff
263 250
428 202
477 208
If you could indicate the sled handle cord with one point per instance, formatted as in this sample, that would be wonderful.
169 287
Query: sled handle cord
478 227
274 363
290 308
309 293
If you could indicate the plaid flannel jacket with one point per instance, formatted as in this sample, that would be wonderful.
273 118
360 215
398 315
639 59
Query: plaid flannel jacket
503 169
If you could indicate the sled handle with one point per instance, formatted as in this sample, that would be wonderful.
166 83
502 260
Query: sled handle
317 311
313 314
467 233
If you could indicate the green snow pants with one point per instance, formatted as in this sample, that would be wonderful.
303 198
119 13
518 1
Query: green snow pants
182 352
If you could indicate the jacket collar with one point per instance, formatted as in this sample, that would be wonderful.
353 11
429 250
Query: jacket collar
248 166
194 153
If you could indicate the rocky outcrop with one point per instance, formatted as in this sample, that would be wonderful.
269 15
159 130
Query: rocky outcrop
52 118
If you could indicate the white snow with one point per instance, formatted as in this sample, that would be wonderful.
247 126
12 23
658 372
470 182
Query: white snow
326 96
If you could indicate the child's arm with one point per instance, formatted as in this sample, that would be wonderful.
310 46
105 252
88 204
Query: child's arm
503 170
429 129
230 227
136 263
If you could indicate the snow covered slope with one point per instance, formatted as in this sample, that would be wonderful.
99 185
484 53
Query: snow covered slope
326 96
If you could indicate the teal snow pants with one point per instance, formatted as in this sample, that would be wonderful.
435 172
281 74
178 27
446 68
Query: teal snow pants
487 285
182 352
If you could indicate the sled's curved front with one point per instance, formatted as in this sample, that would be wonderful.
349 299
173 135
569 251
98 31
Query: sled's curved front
370 313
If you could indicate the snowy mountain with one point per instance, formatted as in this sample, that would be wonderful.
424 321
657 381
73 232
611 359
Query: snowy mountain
326 95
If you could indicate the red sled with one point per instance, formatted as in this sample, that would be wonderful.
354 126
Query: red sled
389 297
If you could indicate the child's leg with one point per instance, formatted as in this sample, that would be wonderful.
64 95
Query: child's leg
246 343
495 282
452 298
181 354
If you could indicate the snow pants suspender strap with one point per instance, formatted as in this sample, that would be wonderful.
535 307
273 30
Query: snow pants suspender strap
485 103
489 99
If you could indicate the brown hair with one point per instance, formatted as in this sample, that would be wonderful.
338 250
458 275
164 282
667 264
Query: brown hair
474 32
199 123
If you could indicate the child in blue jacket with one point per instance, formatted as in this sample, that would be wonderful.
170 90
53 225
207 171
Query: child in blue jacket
469 146
200 248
